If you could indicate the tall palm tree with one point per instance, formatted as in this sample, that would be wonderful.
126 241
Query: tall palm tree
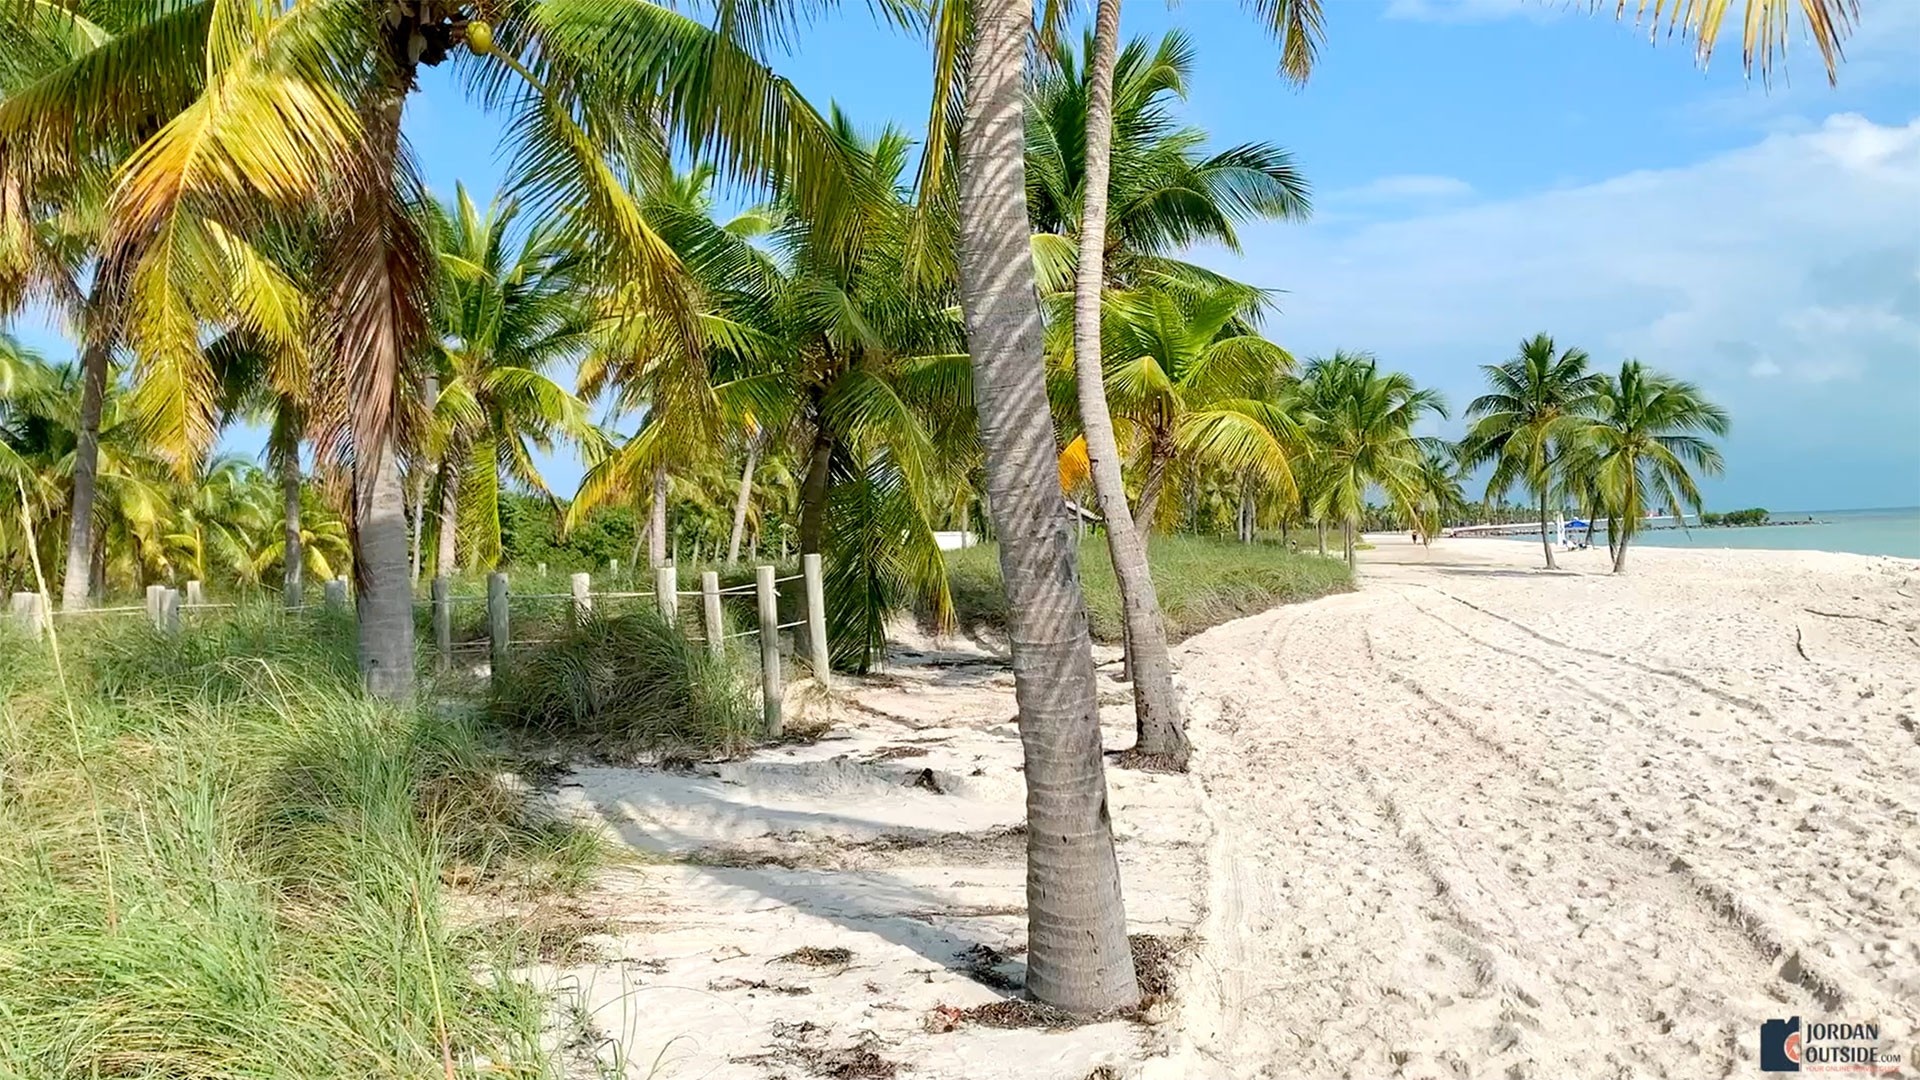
1360 421
1439 493
1168 198
1078 959
1525 425
507 312
1648 441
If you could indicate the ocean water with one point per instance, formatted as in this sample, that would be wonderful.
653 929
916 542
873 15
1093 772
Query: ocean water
1893 531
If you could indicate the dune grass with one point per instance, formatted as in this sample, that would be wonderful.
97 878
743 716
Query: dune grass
629 684
218 859
1201 582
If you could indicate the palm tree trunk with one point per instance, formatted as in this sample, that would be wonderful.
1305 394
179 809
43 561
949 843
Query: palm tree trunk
1159 458
74 591
1321 526
431 394
1546 544
1620 557
1346 536
741 503
293 573
384 601
813 492
657 521
1159 730
447 538
1078 956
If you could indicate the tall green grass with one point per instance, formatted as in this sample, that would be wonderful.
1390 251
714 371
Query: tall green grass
629 684
1201 583
217 859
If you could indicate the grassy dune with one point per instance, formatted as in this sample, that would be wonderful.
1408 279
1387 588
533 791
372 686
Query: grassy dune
217 860
1201 583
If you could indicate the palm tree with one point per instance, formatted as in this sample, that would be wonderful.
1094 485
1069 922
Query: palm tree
1359 421
1439 493
1177 367
505 314
1524 426
1168 198
1079 959
1647 441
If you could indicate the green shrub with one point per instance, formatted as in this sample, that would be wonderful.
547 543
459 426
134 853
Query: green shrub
1201 583
626 684
218 859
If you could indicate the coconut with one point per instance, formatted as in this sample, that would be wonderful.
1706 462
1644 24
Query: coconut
479 37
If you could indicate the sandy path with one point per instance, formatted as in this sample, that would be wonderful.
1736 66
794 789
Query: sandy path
1475 820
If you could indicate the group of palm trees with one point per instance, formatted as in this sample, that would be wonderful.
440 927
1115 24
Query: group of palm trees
217 195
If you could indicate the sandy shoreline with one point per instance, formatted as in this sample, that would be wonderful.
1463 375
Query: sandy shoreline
1473 819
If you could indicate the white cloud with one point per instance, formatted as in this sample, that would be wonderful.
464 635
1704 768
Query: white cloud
1784 276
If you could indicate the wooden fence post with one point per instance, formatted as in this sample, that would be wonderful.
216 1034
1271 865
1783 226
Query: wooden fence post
582 598
25 607
443 621
542 569
196 594
153 604
497 619
666 590
170 611
817 617
710 607
336 594
769 648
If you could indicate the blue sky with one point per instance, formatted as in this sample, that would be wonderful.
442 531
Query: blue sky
1486 169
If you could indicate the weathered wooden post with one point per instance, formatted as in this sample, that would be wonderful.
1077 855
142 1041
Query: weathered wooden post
542 569
196 594
443 621
666 590
710 607
769 648
816 617
25 608
582 598
497 619
153 604
336 594
169 611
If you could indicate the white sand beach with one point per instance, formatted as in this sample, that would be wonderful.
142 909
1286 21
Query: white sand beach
1473 819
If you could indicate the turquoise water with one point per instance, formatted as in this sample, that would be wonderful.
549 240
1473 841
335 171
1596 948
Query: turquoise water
1864 532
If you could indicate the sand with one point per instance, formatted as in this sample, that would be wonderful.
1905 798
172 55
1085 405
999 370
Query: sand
1473 819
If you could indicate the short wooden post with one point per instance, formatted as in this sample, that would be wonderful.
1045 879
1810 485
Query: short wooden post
769 648
336 594
443 621
816 617
25 608
153 604
497 619
710 607
582 598
196 594
169 611
542 568
666 590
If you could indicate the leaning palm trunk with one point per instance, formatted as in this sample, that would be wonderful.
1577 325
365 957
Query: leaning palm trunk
447 536
1546 541
1157 723
813 493
86 453
740 504
1078 958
